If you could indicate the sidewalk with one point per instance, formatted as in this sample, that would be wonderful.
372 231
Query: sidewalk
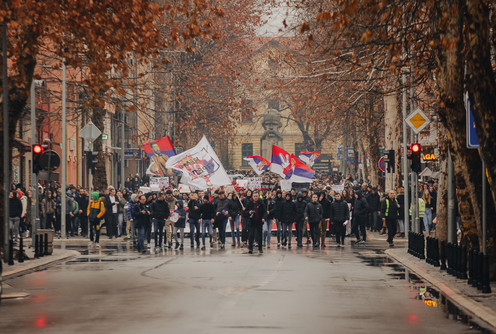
33 263
465 297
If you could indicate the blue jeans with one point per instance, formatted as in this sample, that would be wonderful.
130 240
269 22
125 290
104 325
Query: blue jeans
194 224
267 230
158 227
427 219
222 231
141 238
235 226
206 226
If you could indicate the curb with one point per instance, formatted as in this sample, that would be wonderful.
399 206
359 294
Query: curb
39 263
469 305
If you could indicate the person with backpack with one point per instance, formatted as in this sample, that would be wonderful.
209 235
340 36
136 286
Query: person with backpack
96 210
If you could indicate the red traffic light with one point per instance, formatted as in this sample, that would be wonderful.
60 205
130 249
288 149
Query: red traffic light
37 149
415 148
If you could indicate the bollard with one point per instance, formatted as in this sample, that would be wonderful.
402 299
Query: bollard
481 270
428 258
40 245
422 246
457 261
11 252
470 266
410 243
443 255
486 287
21 250
463 263
475 269
36 246
436 252
45 250
449 254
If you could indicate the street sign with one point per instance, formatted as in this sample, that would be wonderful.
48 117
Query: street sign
417 120
339 156
132 154
350 154
104 136
49 160
90 132
382 164
472 138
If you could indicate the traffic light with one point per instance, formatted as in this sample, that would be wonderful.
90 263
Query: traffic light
415 149
389 160
91 161
37 151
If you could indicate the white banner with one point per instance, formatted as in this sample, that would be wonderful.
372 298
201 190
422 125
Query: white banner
200 166
242 183
159 183
285 185
338 188
254 183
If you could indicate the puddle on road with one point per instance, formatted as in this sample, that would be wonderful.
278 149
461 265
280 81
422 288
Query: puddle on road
422 291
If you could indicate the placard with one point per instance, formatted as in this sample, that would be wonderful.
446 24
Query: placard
159 182
338 188
285 185
254 183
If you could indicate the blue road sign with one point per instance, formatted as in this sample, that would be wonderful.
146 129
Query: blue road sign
339 156
350 154
472 139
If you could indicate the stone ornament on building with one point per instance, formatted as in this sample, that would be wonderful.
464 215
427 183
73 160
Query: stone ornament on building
272 135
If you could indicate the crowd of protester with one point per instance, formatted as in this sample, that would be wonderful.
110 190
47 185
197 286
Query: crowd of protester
305 215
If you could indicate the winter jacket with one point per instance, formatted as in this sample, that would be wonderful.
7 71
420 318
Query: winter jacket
246 202
171 202
235 207
194 213
222 205
160 209
288 211
83 202
48 206
314 212
69 207
374 202
340 211
98 205
276 210
326 207
262 212
361 208
300 206
141 219
15 206
207 211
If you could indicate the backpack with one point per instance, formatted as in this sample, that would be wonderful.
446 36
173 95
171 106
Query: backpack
94 212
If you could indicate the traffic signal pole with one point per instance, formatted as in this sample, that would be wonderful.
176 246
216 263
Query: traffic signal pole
35 223
64 157
6 151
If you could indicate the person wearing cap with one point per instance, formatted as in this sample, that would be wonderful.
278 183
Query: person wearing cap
95 211
169 224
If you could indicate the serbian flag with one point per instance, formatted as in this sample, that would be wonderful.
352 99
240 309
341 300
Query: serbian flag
280 160
309 157
297 171
259 164
159 151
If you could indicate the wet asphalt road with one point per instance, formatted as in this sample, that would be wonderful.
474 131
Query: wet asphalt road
354 289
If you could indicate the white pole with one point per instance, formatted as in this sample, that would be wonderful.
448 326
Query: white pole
64 158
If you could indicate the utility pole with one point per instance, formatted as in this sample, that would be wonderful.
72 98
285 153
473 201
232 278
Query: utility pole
64 158
6 151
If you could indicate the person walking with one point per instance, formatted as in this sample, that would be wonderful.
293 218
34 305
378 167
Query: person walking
313 214
360 215
141 215
390 210
180 224
194 215
300 206
15 212
235 218
222 208
326 214
111 216
95 211
258 215
169 224
288 214
207 213
340 217
160 213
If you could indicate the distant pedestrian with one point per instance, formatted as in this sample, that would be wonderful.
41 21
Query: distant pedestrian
96 210
390 210
258 215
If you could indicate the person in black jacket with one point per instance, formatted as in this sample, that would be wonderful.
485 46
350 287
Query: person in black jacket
258 215
245 218
288 214
194 220
360 215
390 212
207 213
235 218
277 212
313 214
141 214
222 208
15 212
340 216
159 212
374 202
300 206
326 207
83 201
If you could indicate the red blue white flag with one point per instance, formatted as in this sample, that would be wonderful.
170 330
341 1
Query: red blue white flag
309 157
297 171
259 164
280 160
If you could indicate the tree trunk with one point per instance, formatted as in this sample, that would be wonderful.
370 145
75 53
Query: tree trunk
442 197
100 178
392 129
